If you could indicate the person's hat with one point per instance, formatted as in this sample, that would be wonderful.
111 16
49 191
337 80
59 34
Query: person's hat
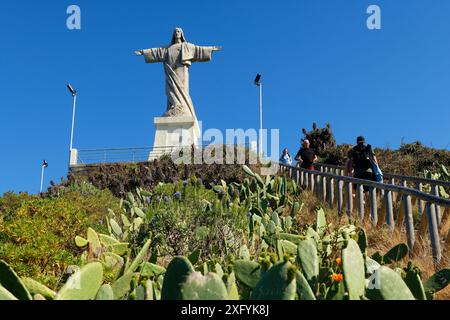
306 141
360 139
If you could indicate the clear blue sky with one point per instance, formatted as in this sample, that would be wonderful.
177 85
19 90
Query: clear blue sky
318 59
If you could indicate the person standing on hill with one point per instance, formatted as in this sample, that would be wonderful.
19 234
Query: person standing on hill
359 161
306 156
286 157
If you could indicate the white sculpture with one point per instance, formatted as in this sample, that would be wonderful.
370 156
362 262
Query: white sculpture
177 58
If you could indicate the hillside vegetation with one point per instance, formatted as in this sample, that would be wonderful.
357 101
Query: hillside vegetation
256 238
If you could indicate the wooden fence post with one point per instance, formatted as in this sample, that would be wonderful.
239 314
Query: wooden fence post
306 181
324 188
349 199
401 212
382 217
409 221
330 192
389 209
302 178
340 196
419 201
373 206
435 191
434 233
393 194
360 196
317 186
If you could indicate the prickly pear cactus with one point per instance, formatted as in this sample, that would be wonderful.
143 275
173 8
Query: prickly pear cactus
35 287
105 293
81 242
304 290
195 256
414 282
122 286
140 292
309 260
371 266
11 282
176 274
386 284
244 252
248 272
353 269
288 247
139 257
295 208
321 222
204 287
397 253
120 248
437 282
116 228
38 296
5 294
95 247
151 270
232 289
278 283
311 233
336 292
294 238
107 240
83 284
361 238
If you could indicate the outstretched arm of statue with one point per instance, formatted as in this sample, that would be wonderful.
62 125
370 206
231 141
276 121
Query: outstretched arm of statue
216 48
152 55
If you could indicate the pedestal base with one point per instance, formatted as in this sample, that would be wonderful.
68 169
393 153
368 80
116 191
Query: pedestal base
172 133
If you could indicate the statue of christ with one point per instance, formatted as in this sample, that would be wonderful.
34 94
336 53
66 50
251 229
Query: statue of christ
177 58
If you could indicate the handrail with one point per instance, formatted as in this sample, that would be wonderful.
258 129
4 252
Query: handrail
329 188
395 176
132 155
124 149
390 187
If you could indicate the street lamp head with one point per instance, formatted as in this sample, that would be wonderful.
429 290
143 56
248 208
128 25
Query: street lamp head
72 91
258 79
45 164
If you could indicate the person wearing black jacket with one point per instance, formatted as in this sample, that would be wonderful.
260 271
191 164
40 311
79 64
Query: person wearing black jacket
306 156
359 163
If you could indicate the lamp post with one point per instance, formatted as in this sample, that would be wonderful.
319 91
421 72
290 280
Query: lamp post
44 165
258 83
74 96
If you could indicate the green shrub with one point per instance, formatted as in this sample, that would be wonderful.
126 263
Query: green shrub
121 178
37 235
184 218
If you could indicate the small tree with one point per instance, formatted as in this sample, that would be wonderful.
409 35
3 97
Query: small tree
320 139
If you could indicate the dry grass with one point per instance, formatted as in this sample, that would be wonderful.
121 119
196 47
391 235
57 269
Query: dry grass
382 239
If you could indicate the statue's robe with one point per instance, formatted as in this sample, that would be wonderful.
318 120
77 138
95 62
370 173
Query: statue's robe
177 59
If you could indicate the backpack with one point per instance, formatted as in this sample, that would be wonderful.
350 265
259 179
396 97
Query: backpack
363 158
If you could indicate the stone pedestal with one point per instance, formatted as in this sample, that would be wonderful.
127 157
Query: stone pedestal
172 133
73 157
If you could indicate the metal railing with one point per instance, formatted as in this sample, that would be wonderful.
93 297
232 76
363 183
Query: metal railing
134 155
117 155
337 191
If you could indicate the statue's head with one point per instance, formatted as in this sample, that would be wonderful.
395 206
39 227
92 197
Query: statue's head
178 35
